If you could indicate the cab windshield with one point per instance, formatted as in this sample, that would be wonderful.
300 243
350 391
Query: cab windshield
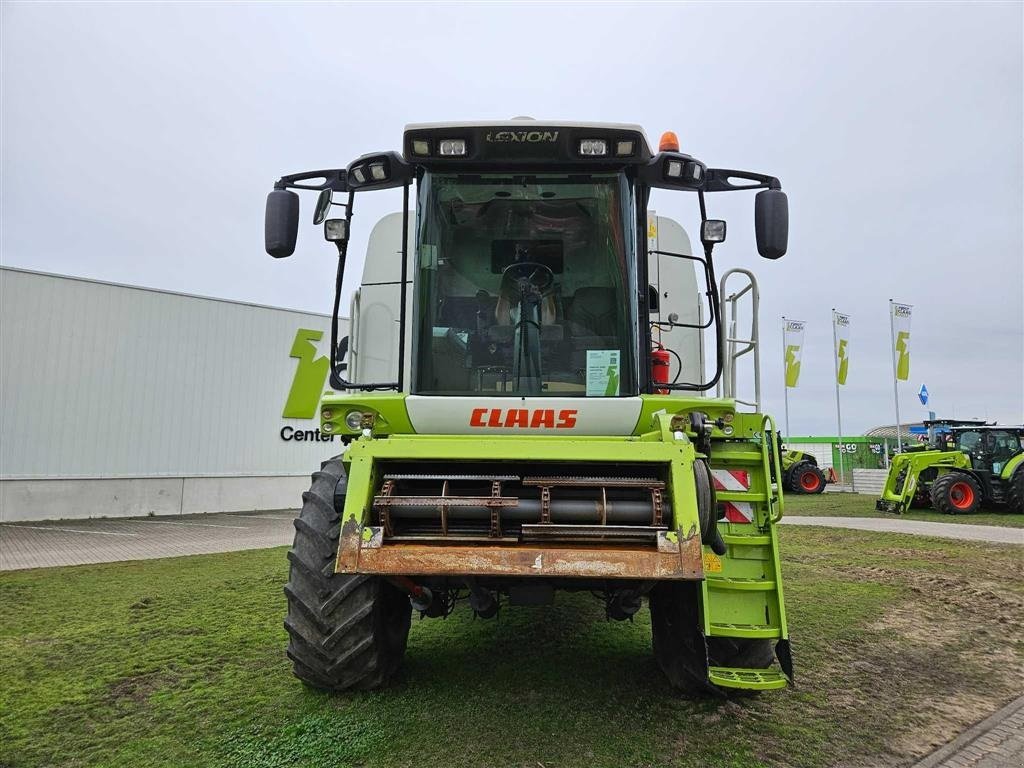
525 285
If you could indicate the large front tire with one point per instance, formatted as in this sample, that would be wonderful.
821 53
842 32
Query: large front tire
679 646
956 493
344 631
806 478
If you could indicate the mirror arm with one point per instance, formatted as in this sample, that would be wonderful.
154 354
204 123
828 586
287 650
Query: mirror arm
333 179
717 180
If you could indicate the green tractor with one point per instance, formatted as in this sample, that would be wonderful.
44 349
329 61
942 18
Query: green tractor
511 427
963 467
801 473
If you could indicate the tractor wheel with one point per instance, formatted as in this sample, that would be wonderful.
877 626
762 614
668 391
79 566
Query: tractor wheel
1015 492
956 493
807 478
344 631
676 637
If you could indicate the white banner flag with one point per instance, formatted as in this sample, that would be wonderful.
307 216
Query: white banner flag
901 339
793 342
842 351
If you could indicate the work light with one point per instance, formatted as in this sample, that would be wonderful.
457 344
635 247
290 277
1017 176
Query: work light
712 231
624 148
593 147
452 147
377 171
420 147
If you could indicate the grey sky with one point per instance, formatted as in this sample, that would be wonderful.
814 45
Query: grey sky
140 140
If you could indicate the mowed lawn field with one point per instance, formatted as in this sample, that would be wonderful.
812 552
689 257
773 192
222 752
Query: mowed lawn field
863 505
900 642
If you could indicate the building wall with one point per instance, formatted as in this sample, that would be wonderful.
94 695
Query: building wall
122 400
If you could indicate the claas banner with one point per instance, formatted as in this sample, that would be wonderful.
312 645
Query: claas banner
841 324
793 342
901 339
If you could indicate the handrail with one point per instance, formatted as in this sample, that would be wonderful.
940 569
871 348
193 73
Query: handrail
769 452
737 346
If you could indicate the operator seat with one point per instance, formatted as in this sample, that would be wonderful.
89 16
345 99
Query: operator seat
593 315
593 323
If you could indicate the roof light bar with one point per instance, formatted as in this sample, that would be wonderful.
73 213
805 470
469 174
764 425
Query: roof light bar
593 147
452 147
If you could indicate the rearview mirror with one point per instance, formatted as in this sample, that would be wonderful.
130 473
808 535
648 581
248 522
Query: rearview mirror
281 224
771 223
323 207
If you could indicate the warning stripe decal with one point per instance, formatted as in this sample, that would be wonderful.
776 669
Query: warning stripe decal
737 480
731 479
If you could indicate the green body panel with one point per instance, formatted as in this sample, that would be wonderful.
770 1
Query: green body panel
1011 466
792 458
388 408
901 484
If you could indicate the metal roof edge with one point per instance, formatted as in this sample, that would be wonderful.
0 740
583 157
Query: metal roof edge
41 273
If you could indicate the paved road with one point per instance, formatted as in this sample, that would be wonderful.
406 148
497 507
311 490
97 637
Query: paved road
75 542
996 742
991 533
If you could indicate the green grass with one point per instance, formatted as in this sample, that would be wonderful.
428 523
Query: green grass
899 642
863 505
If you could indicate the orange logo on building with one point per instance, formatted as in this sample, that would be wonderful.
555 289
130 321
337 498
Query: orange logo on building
523 418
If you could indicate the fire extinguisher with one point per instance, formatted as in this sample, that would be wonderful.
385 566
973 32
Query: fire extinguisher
659 367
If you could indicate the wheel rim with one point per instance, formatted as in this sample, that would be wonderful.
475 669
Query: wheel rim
961 495
809 481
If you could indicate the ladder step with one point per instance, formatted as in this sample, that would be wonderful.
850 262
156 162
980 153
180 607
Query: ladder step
753 585
751 496
751 631
752 679
739 457
746 541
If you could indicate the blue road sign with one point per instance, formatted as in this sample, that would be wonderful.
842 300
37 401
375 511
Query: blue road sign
922 395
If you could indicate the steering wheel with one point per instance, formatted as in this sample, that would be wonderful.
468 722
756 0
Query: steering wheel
517 277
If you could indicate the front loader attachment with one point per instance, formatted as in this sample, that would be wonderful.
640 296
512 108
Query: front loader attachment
910 476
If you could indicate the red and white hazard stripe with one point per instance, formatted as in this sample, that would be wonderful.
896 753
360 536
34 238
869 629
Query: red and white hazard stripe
734 480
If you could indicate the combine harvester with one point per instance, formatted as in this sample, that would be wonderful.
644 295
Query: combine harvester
513 427
963 466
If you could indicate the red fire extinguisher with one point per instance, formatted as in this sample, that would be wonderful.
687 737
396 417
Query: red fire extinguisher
659 367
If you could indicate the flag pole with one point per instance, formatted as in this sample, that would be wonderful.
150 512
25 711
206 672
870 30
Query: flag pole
895 380
839 412
785 384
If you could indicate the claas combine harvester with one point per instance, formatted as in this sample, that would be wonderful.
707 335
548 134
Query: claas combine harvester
512 420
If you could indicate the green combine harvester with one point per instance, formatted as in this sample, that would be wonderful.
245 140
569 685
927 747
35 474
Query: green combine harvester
513 427
964 465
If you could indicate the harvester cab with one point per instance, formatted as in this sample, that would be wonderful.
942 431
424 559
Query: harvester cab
512 420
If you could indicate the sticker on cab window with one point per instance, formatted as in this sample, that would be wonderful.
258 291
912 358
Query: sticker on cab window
602 372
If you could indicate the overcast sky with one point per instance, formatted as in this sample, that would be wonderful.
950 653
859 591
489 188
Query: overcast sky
139 142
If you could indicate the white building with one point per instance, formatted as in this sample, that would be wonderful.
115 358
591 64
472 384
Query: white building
116 400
